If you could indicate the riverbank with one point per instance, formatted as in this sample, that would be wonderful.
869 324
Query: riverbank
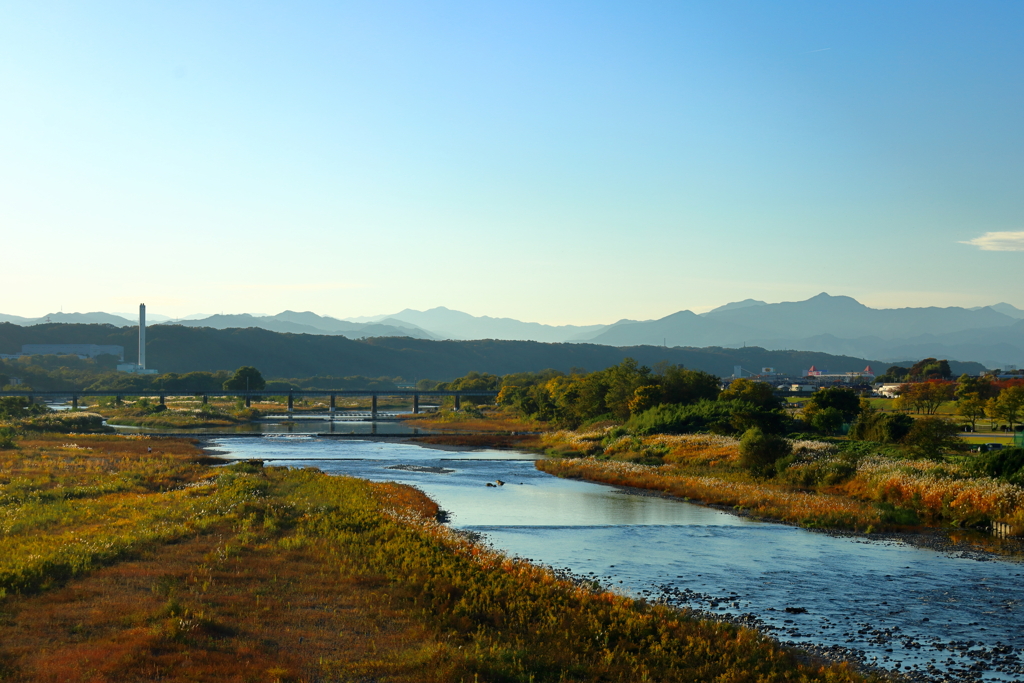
969 544
824 486
167 568
819 488
850 587
836 484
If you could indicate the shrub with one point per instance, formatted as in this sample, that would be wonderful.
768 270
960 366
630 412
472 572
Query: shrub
931 437
759 452
7 435
827 420
66 421
16 407
881 427
720 417
1006 464
829 471
842 399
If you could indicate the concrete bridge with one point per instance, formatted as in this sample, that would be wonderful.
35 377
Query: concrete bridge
75 395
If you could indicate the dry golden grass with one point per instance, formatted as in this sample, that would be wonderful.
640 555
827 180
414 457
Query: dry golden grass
779 502
497 441
822 487
174 614
492 421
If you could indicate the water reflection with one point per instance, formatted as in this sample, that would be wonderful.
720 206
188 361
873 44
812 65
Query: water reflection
339 428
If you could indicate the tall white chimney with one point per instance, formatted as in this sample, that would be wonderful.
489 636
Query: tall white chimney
142 336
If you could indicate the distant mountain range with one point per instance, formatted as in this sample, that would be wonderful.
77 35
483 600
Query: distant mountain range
992 335
445 323
69 318
181 349
288 321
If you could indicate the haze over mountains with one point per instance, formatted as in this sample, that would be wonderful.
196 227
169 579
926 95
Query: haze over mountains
287 321
449 324
840 325
992 335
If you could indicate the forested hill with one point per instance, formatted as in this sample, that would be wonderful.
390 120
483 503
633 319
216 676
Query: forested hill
175 348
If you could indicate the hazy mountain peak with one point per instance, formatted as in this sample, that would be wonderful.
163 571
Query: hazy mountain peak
1007 309
825 297
746 303
93 317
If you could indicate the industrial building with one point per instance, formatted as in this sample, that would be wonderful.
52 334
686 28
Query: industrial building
140 367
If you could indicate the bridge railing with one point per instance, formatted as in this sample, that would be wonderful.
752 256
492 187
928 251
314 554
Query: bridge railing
248 396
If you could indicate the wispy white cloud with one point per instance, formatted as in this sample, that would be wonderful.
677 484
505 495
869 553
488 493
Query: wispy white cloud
999 241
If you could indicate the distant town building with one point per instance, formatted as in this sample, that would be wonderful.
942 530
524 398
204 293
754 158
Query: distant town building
865 376
888 390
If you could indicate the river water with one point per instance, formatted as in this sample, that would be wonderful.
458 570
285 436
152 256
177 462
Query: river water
932 615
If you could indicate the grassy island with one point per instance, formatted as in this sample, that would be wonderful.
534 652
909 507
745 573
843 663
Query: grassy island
130 558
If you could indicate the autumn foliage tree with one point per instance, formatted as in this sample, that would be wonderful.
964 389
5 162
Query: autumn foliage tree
1008 406
614 393
756 393
972 408
925 397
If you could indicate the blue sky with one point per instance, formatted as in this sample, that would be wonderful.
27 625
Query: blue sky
558 162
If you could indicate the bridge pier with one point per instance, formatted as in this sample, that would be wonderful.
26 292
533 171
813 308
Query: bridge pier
458 402
415 404
163 402
291 402
117 400
373 407
334 398
248 401
205 399
74 402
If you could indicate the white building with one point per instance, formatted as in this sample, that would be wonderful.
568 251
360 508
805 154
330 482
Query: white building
888 390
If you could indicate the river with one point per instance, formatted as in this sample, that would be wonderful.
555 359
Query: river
931 615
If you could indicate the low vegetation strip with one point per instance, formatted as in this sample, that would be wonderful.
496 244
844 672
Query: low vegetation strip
819 484
253 573
939 492
806 509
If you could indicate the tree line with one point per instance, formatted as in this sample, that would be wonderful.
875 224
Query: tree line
671 399
71 373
